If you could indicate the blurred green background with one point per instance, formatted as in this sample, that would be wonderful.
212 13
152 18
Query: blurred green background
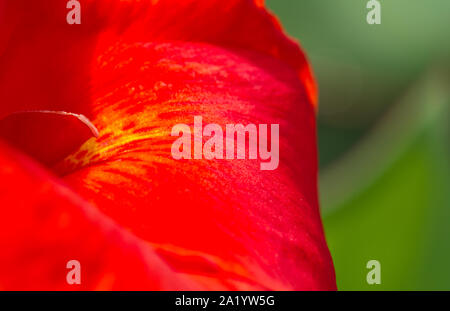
383 136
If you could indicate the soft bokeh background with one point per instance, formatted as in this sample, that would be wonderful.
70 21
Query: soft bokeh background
383 136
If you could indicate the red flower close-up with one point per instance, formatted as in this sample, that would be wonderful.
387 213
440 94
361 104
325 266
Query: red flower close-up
87 172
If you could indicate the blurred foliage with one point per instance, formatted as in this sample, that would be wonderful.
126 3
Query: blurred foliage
362 69
389 200
383 135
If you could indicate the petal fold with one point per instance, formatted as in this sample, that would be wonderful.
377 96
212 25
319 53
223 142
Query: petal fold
47 136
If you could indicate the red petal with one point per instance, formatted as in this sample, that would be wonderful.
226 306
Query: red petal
133 68
46 63
45 225
259 227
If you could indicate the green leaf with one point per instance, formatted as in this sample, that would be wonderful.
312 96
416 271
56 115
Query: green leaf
388 199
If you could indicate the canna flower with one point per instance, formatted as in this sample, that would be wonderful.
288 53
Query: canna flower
86 171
